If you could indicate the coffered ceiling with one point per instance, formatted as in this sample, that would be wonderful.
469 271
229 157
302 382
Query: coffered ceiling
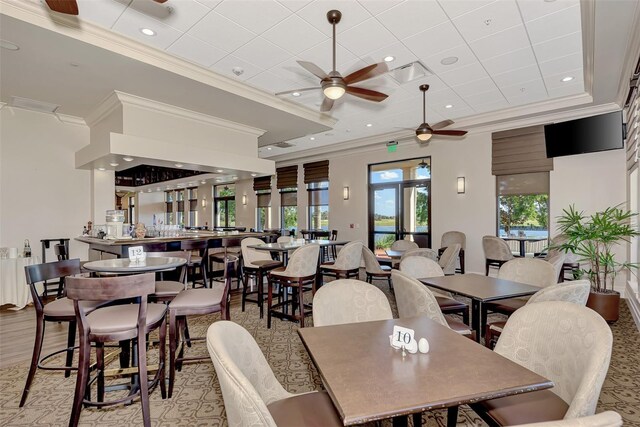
501 54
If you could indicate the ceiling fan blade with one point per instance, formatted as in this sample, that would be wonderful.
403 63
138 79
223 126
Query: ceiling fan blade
442 124
327 104
298 90
368 94
160 1
313 69
450 132
69 7
367 73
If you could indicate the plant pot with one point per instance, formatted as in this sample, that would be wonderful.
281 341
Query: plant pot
606 304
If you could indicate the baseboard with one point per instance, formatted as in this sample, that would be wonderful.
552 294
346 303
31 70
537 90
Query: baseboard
634 304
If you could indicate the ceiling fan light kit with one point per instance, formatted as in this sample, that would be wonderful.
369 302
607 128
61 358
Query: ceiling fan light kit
425 131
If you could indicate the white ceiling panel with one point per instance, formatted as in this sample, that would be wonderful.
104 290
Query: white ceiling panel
210 3
531 88
292 71
515 77
481 100
316 14
555 25
321 55
197 51
220 32
528 98
294 5
463 53
103 13
490 106
509 40
561 65
567 89
272 83
464 75
455 8
434 40
488 20
262 52
410 17
180 15
510 61
228 63
377 6
557 48
475 87
130 23
366 37
255 15
534 9
434 82
398 50
555 80
306 35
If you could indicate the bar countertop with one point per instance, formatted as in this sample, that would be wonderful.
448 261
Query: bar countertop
184 236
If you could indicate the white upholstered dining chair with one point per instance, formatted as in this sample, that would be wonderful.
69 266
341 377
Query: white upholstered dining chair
449 258
373 269
347 263
403 245
603 419
496 252
424 252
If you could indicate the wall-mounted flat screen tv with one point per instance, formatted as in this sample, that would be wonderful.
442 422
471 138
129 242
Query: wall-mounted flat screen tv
587 135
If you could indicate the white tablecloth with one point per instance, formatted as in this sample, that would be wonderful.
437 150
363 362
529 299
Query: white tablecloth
13 282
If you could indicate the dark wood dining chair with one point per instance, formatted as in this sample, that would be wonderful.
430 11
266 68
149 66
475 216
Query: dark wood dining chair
197 262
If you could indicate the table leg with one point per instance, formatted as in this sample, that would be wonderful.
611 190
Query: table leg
452 416
522 251
476 317
400 421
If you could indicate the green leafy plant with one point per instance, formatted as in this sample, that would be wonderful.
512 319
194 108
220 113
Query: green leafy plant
593 238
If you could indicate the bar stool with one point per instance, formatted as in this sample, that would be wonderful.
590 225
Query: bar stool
196 302
116 323
231 248
299 276
256 265
347 264
202 246
166 290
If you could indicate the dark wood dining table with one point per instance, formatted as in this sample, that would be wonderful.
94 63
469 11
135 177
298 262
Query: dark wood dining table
369 380
480 289
285 248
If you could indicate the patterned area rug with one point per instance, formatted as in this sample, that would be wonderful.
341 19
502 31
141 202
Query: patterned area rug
197 400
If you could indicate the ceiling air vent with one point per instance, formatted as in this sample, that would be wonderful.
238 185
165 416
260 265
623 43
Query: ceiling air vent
33 105
284 145
409 72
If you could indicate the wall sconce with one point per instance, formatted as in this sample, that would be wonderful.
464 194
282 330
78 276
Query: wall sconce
244 199
461 185
204 203
345 193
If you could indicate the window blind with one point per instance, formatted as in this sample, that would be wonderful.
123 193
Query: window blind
262 183
289 198
519 151
633 128
264 200
316 171
287 177
523 184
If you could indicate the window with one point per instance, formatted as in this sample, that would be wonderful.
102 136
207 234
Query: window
289 208
523 210
318 205
180 210
263 210
225 205
168 216
193 207
132 209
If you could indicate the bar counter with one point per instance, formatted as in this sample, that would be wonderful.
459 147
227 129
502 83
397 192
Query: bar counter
120 247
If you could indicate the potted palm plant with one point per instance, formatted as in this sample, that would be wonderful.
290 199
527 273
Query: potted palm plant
593 240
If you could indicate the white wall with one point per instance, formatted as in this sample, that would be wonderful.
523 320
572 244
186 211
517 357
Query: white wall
42 195
245 214
150 204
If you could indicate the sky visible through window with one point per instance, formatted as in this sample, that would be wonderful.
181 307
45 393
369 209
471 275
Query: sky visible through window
385 199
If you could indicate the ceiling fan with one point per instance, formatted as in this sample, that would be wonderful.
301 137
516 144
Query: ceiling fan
425 131
333 85
70 7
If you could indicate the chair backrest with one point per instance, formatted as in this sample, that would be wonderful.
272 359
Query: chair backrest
334 235
532 271
284 239
37 273
576 291
349 301
557 261
564 342
303 262
199 245
419 267
403 245
182 270
424 252
559 239
603 419
371 264
496 248
247 381
350 256
453 237
415 299
250 255
61 251
448 258
110 288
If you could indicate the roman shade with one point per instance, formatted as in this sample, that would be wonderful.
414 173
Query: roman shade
633 128
519 151
169 205
264 200
523 184
262 183
289 198
287 177
316 171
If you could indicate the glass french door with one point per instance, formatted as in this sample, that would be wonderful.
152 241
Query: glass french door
384 221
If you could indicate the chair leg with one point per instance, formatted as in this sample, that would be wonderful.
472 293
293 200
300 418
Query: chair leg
185 333
245 286
260 289
81 380
144 380
35 358
301 304
390 283
465 316
100 370
269 304
486 273
162 357
172 349
71 342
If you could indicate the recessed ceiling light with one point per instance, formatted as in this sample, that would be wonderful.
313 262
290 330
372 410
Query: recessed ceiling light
295 94
8 45
389 58
449 60
369 125
219 170
234 177
128 159
254 174
114 164
203 182
149 191
157 188
448 106
179 165
147 31
218 180
168 187
269 148
313 138
567 79
101 169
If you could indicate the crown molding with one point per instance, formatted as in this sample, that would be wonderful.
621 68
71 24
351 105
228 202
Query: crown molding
62 118
631 59
104 108
34 13
588 19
